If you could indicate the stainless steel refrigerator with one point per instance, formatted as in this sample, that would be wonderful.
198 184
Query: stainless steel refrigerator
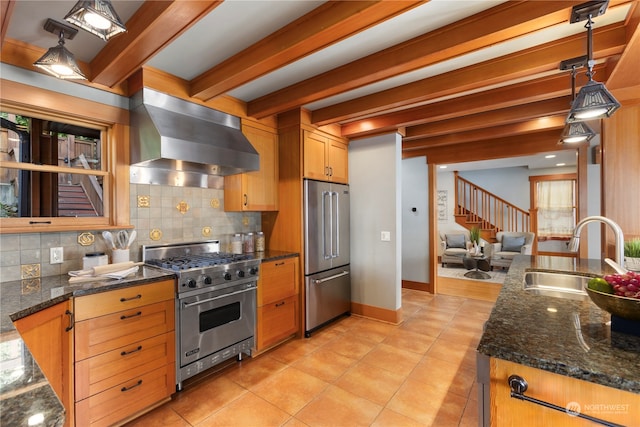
326 245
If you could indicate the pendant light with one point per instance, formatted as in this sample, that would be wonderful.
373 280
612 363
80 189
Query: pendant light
594 101
97 17
58 61
575 132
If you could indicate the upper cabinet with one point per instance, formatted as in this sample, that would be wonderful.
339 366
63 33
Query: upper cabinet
325 158
258 190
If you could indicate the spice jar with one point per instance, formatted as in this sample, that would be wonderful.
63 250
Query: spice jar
236 244
260 242
248 243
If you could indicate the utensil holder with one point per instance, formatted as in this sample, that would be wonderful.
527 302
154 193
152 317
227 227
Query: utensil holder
119 255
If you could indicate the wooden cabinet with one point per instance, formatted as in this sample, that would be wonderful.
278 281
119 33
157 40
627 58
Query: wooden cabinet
49 336
277 302
124 352
258 190
325 158
610 404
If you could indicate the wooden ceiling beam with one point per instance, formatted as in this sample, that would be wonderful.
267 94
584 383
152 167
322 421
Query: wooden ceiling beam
624 70
519 113
153 26
497 148
512 129
498 24
328 24
503 97
608 41
6 10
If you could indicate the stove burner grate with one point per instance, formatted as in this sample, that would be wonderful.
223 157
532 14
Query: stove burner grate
187 262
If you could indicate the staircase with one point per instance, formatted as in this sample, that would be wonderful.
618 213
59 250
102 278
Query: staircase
73 201
475 206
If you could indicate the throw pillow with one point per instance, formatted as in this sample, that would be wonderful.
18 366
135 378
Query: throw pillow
512 244
455 241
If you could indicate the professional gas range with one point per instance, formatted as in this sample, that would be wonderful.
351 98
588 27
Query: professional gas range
215 305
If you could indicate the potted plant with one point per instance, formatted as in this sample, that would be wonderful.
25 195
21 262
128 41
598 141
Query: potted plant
632 254
474 236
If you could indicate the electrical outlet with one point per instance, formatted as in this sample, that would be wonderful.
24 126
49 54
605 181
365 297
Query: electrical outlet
56 255
385 236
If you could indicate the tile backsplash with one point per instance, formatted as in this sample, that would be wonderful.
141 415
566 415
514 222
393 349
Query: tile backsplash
171 214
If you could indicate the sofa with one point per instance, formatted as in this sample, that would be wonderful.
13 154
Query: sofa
508 245
453 246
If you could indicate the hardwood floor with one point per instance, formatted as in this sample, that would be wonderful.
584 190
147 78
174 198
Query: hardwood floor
355 372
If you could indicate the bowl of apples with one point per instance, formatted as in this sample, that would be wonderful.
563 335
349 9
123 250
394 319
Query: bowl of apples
618 294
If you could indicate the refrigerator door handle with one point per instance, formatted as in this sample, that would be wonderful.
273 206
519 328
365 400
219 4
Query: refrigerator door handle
327 279
336 226
327 246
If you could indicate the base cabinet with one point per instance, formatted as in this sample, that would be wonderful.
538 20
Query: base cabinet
277 302
595 400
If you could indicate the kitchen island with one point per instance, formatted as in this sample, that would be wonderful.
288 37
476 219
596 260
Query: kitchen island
558 339
24 391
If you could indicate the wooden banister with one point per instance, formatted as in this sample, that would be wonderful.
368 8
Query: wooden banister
486 210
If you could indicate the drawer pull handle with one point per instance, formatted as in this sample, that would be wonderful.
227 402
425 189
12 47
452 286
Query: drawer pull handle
124 353
278 264
132 387
280 304
130 299
123 317
72 320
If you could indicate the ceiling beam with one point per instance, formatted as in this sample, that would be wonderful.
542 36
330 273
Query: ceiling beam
519 113
6 10
608 40
498 24
503 97
153 26
534 125
328 24
497 148
625 69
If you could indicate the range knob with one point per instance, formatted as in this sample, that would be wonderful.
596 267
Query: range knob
253 271
208 280
191 283
227 276
240 273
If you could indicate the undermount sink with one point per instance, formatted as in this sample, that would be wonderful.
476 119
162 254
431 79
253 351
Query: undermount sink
559 285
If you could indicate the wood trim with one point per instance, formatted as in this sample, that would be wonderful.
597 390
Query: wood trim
6 10
417 286
474 289
377 313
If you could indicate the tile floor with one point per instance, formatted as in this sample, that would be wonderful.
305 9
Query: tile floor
355 372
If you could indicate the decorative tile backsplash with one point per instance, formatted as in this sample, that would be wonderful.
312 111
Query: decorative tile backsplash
157 216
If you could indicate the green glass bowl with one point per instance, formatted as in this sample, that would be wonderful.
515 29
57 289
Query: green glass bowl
626 308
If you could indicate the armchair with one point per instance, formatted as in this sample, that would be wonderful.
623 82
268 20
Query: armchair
453 246
508 245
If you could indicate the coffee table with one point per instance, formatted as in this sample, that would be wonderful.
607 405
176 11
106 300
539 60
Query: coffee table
477 262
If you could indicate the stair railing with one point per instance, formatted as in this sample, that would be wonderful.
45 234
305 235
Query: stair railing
487 210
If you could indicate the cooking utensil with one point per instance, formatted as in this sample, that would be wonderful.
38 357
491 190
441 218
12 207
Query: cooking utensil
123 239
132 237
108 237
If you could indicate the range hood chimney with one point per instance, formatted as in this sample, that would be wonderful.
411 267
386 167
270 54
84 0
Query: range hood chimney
176 142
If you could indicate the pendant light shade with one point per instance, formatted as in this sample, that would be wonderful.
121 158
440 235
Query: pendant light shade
97 17
577 132
58 61
593 102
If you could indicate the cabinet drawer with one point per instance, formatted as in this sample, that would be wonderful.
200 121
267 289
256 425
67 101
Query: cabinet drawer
127 398
106 370
105 333
277 321
277 280
95 305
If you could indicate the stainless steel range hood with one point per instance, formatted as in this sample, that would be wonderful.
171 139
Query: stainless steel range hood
177 142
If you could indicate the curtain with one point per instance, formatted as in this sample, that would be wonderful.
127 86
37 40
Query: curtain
556 209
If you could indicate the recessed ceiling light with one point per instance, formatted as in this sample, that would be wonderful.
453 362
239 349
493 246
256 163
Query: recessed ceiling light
549 156
561 164
443 166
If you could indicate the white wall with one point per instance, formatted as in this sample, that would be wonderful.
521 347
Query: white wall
415 225
374 180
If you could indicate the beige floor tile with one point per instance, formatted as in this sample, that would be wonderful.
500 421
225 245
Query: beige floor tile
448 376
163 416
389 418
352 347
290 389
372 330
449 351
371 382
251 372
392 359
293 350
294 422
421 326
410 341
196 403
337 407
324 364
250 411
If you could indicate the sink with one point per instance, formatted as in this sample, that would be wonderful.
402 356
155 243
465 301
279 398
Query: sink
559 285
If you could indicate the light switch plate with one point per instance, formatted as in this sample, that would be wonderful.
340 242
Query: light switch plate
385 236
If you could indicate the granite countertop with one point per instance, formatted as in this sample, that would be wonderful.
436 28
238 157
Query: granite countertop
274 255
24 391
567 337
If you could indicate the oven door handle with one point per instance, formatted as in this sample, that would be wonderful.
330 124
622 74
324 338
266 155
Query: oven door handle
192 304
326 279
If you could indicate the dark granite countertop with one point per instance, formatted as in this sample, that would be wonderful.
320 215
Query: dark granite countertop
274 255
24 391
567 337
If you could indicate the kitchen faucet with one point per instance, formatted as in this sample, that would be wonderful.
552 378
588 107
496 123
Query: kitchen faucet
574 243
